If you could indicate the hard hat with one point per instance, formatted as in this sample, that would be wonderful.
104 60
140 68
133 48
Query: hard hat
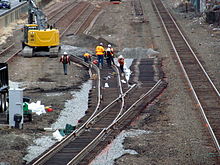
109 45
65 53
101 44
120 56
86 54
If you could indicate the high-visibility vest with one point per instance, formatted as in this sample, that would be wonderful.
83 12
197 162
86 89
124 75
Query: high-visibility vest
112 51
109 51
87 55
99 50
65 60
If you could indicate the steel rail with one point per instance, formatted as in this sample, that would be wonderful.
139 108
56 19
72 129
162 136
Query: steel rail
185 73
101 132
9 47
62 17
80 26
94 141
8 59
110 104
75 132
119 79
60 11
159 82
74 7
107 129
121 93
74 20
21 49
204 71
99 96
85 124
6 49
137 8
93 22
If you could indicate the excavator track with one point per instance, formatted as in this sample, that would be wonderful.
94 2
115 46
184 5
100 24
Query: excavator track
27 51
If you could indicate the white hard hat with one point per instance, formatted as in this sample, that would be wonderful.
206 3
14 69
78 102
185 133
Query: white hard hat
120 56
101 44
65 53
109 45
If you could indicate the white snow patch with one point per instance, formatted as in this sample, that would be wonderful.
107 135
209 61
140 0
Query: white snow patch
116 149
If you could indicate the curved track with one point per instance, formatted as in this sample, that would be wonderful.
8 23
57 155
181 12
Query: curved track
114 108
204 90
65 153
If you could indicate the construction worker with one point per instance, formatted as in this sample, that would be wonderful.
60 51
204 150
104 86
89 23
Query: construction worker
121 62
87 57
65 59
100 51
186 5
109 54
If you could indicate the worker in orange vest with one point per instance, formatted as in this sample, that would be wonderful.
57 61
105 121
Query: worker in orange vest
87 57
65 59
121 62
109 54
100 51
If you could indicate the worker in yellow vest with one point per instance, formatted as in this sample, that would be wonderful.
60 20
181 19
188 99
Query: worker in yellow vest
100 51
87 57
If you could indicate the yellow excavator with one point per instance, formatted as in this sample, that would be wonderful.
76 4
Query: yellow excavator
40 39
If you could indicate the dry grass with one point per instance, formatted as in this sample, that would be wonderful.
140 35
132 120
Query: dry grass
8 31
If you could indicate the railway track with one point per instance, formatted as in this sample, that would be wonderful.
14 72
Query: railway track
8 53
137 9
204 90
77 24
65 153
69 19
73 18
114 108
53 17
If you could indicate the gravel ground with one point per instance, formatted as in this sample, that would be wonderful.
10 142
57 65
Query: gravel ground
177 132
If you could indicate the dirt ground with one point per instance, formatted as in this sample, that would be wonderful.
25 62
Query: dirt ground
178 134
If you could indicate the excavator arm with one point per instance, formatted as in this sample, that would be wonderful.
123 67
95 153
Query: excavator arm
36 16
